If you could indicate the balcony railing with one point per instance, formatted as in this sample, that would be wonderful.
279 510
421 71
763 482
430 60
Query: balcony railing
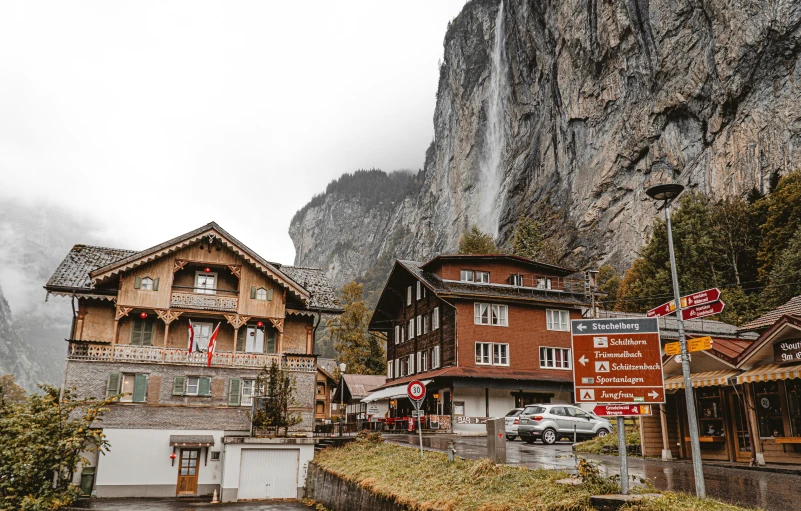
80 350
224 301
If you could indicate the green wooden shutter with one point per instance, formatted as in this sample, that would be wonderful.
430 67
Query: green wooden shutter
147 333
269 341
240 339
137 330
270 295
137 282
234 390
204 386
156 284
113 384
140 388
178 385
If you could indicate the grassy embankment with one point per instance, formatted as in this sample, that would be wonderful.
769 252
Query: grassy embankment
608 444
397 472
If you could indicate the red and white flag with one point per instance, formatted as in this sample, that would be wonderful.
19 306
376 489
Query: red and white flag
212 344
191 347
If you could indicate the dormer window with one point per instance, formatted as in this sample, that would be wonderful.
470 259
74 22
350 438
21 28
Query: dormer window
467 276
146 283
261 294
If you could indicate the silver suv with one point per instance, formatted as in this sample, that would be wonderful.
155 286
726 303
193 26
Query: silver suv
511 422
552 422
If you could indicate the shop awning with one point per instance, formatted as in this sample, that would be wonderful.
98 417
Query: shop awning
707 379
770 372
390 392
192 440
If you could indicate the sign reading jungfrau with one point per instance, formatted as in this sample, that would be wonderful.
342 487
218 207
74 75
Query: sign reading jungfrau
617 361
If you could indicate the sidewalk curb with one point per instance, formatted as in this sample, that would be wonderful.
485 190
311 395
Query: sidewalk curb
773 470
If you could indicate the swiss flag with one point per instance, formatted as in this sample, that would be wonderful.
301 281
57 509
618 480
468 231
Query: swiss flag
212 344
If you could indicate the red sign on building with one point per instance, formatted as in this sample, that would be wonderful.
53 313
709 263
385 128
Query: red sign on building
617 361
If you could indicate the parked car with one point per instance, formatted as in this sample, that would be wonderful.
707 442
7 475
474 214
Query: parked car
550 422
512 421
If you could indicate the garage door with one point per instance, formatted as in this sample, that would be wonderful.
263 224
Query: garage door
268 474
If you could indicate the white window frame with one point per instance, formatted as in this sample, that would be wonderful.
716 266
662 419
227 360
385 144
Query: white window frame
490 314
419 290
425 323
189 385
435 357
197 288
419 326
246 392
397 334
549 360
560 323
435 319
467 276
397 368
410 329
423 364
483 353
261 294
544 283
417 364
410 365
146 284
483 277
500 354
409 295
516 279
390 367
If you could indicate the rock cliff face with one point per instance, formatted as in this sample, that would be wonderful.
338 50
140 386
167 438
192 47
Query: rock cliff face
583 105
15 356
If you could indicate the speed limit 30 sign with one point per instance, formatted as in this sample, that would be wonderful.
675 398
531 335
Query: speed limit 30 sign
416 390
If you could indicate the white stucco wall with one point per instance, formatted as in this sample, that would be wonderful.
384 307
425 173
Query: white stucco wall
500 402
142 457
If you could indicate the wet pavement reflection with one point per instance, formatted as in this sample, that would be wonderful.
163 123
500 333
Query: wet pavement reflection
751 488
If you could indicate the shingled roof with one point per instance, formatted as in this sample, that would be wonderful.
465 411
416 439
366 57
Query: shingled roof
73 272
316 283
791 308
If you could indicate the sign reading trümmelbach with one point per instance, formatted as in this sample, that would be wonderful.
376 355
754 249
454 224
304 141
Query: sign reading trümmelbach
617 361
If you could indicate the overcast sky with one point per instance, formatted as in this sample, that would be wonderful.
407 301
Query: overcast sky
153 118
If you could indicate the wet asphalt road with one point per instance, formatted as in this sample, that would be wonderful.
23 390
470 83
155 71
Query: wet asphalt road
751 488
192 504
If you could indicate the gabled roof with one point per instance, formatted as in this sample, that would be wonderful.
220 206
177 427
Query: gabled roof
85 266
360 385
175 244
787 321
556 270
792 307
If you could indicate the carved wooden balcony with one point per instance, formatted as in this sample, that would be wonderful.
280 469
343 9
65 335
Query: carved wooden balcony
203 301
96 351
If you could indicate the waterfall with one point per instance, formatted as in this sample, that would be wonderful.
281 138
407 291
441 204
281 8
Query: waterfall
491 175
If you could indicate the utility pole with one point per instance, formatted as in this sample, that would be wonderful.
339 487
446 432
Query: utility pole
668 193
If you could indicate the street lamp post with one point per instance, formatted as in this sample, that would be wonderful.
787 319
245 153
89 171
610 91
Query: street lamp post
342 367
668 193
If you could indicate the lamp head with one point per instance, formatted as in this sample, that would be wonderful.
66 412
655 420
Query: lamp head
665 192
342 367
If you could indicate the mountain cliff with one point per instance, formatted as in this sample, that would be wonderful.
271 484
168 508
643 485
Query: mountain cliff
580 106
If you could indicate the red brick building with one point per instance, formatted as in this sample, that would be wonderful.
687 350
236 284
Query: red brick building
487 332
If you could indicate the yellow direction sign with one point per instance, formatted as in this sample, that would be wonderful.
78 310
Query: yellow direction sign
699 344
672 348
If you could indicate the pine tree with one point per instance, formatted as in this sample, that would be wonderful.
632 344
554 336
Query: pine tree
475 241
276 389
359 349
10 392
785 279
608 282
782 219
527 240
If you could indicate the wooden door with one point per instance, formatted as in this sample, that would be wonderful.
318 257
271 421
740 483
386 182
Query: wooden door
187 472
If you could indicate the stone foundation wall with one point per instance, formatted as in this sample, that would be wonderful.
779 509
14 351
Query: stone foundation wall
337 494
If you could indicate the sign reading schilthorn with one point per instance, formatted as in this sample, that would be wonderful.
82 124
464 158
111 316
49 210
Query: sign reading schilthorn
617 361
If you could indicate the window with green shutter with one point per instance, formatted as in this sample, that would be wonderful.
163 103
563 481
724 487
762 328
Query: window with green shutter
240 339
252 293
269 341
156 284
270 295
178 385
137 282
234 391
204 386
140 388
113 383
142 332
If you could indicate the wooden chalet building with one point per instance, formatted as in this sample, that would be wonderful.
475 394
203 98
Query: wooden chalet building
487 333
130 331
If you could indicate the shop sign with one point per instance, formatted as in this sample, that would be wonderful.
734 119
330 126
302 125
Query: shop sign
622 410
787 351
617 361
471 420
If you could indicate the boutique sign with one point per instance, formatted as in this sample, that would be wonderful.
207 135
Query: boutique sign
787 351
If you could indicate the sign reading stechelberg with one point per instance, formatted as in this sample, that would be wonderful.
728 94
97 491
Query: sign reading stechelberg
617 361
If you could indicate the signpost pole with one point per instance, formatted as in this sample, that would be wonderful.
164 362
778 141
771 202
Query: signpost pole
419 427
621 449
695 445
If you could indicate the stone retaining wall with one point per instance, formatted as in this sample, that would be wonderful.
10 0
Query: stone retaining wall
337 494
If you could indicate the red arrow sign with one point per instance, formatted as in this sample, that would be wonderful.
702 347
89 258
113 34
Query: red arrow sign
621 410
708 296
701 311
700 298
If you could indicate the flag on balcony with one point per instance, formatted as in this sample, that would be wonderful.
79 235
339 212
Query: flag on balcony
192 345
212 344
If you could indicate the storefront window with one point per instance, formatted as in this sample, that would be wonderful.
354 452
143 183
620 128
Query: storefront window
768 409
794 405
710 411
